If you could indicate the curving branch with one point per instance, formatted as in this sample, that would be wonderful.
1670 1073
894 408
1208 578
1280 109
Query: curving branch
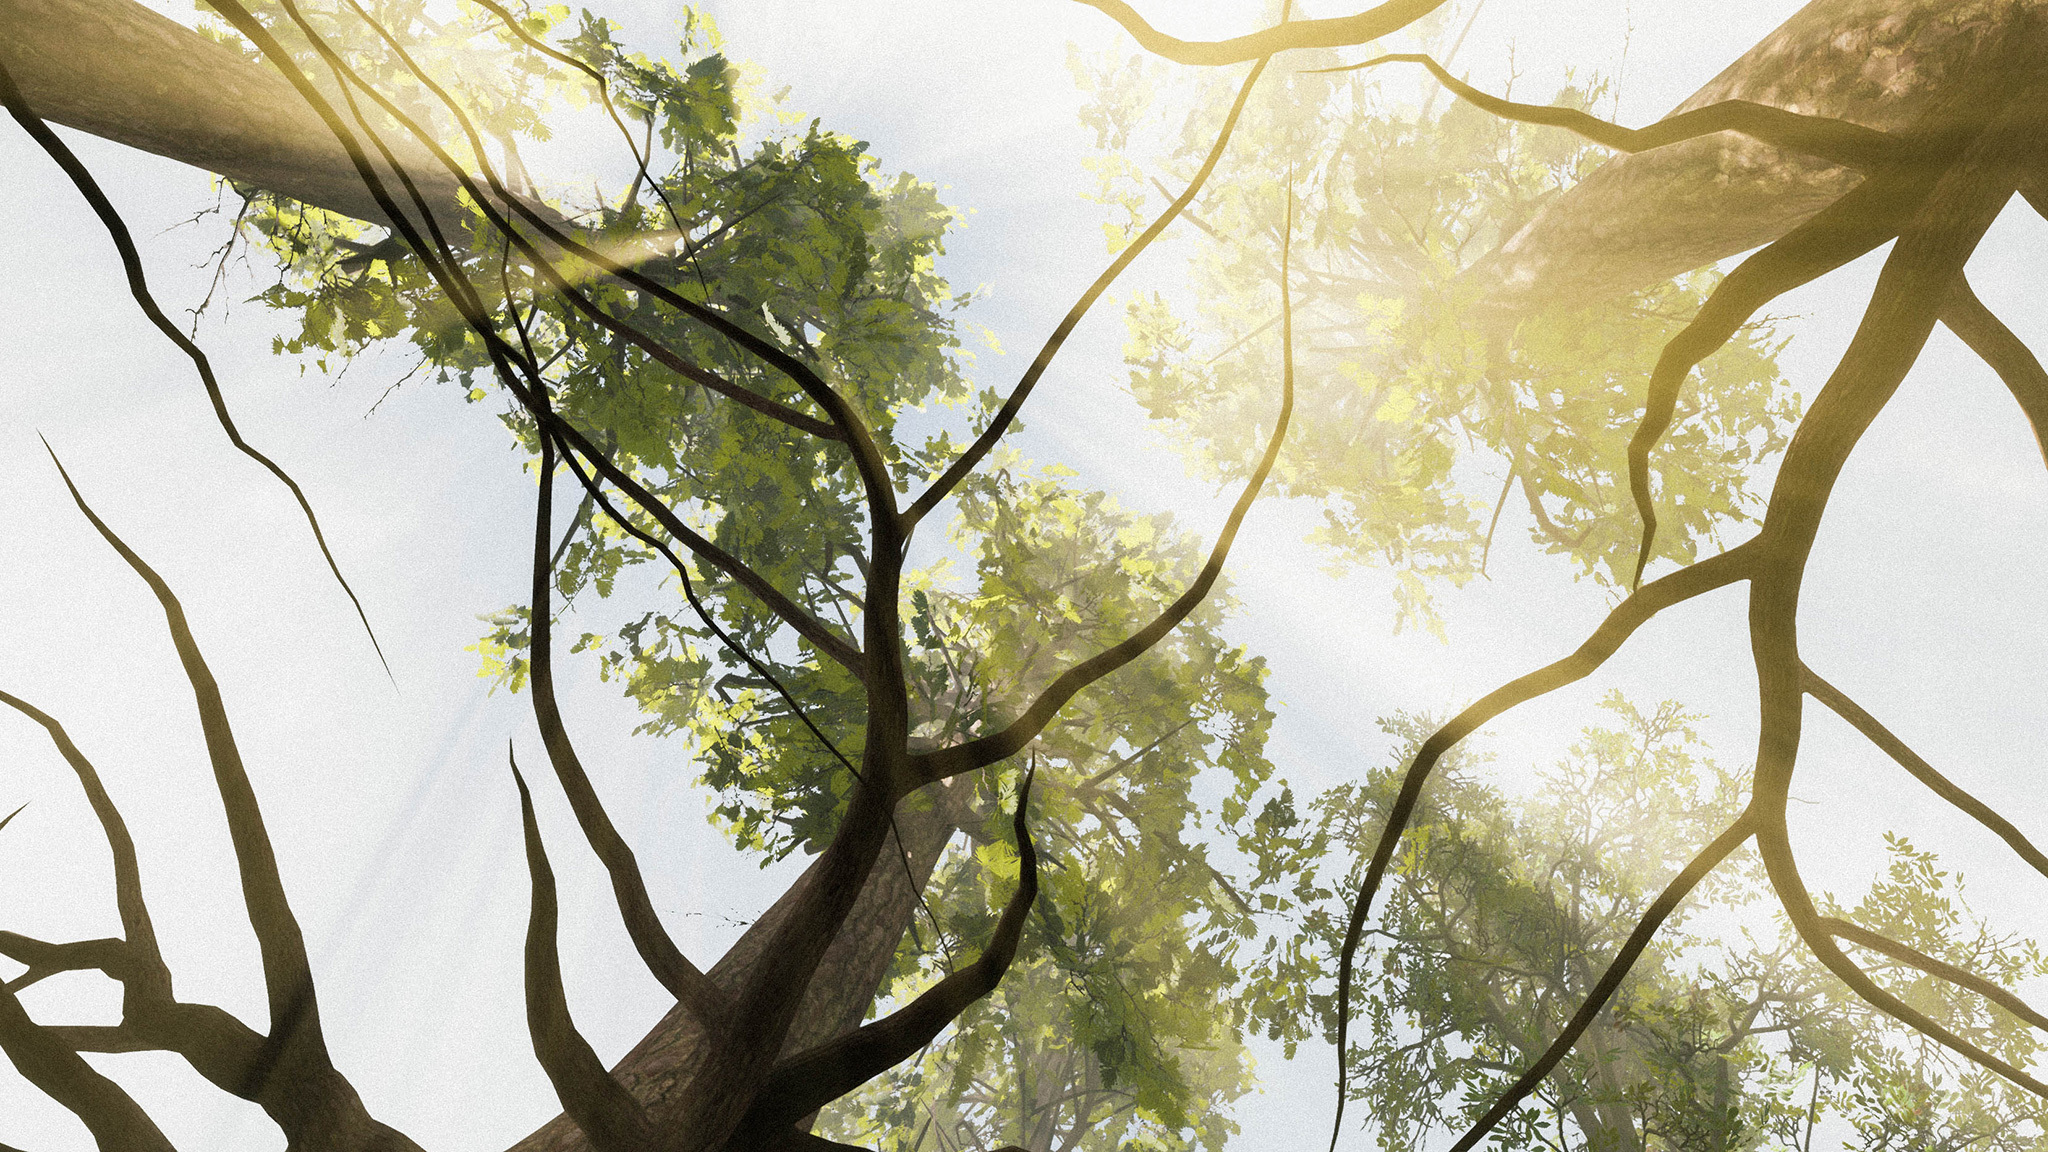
1610 980
1329 32
116 1121
1734 565
650 938
1006 416
805 1082
1868 216
45 960
1966 316
295 1033
997 746
1963 977
146 977
1823 137
138 287
1840 703
600 1105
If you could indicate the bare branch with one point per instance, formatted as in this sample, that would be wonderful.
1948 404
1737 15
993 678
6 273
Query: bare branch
608 1115
1905 954
1826 137
1330 32
1006 416
138 286
1840 703
1609 982
45 960
287 975
116 1122
1967 317
1870 214
996 746
657 948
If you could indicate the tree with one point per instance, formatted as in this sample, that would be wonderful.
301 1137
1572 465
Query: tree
1936 189
582 327
1934 186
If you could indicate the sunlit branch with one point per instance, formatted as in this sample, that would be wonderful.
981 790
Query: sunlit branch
1869 215
997 746
1632 613
608 1115
1963 977
1610 980
1839 141
657 948
1006 416
807 1081
146 977
850 428
347 79
1840 703
287 975
456 286
116 1121
1329 32
138 287
2006 353
1814 929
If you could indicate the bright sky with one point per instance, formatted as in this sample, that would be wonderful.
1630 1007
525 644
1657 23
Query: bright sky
394 816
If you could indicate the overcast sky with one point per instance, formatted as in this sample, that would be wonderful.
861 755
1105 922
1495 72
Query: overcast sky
394 817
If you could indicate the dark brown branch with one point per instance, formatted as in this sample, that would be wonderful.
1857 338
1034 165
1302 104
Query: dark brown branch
1869 215
287 975
657 948
1610 980
45 960
608 1115
2008 355
809 1080
1825 137
146 978
138 287
116 1121
1840 703
1962 977
1632 613
1330 32
1006 416
997 746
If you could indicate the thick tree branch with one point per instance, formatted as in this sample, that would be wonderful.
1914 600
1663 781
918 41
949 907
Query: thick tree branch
1329 32
116 1121
629 888
1840 703
1962 977
2006 353
1823 137
811 1079
608 1115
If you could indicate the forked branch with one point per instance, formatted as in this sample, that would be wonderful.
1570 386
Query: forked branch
1962 977
2005 352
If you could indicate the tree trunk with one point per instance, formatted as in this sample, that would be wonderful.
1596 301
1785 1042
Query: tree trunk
1643 218
120 71
838 998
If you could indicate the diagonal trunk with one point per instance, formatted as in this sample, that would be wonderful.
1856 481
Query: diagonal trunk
838 999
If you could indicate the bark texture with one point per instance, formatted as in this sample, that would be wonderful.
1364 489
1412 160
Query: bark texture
122 72
837 1002
1644 218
